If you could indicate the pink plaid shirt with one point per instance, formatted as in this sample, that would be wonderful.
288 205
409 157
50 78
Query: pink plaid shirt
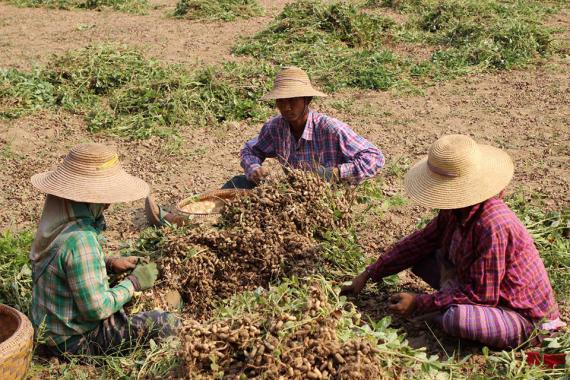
325 141
496 261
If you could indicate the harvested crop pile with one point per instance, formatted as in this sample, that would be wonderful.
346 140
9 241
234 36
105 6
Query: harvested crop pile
296 330
271 233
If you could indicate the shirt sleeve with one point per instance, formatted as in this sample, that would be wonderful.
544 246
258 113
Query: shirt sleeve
484 276
363 159
410 250
87 279
256 150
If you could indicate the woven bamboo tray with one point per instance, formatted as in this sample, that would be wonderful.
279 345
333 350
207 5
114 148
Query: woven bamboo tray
208 205
16 339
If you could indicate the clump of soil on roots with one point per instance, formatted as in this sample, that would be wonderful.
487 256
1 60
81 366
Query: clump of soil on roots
271 233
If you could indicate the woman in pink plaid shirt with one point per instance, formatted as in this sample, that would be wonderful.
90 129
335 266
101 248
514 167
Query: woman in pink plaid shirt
491 284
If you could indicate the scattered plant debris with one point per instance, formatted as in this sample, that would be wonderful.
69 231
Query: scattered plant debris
121 92
225 10
127 6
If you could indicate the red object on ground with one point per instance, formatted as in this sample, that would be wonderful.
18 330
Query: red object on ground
548 360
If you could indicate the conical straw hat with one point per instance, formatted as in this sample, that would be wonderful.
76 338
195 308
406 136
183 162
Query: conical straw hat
458 173
292 82
91 173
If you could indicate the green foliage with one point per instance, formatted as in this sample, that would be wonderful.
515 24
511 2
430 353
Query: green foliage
148 361
337 43
398 167
377 200
341 45
557 344
512 365
485 33
149 242
232 92
128 6
343 253
328 23
21 93
15 270
119 91
98 70
225 10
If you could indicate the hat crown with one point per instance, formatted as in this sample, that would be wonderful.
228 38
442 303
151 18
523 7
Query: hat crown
91 159
91 173
292 73
292 82
454 156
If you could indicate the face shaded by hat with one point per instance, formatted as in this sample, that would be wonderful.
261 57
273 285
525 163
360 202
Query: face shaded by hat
91 173
292 82
458 173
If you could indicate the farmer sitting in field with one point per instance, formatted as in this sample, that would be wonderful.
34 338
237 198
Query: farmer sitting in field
501 291
303 138
298 138
73 306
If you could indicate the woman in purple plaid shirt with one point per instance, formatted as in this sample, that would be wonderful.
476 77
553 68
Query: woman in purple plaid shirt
303 138
491 284
298 138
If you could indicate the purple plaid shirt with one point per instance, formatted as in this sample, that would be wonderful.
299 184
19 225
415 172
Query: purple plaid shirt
496 261
325 141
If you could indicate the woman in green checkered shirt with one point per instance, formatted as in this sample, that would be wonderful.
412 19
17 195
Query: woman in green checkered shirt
73 308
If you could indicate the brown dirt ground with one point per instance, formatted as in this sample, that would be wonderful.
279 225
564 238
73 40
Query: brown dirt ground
526 112
49 31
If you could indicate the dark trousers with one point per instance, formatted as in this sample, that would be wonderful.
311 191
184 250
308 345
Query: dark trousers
119 332
239 182
428 269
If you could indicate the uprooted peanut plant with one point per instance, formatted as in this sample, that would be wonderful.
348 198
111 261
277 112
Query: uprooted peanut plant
299 329
273 232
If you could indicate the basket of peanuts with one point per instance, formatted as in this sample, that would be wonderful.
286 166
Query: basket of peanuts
208 205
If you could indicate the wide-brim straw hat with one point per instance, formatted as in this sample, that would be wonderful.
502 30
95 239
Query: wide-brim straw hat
292 82
91 173
458 173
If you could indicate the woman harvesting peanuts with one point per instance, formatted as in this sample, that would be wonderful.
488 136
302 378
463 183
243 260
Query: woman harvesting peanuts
501 291
300 138
72 302
303 138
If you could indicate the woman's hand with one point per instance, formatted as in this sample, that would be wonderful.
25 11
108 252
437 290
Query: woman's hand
357 284
259 174
403 303
120 265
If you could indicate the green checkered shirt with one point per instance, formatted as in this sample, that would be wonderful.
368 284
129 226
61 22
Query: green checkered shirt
72 294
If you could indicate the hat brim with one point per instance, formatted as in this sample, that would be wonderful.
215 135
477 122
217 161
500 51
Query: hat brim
293 93
436 191
120 187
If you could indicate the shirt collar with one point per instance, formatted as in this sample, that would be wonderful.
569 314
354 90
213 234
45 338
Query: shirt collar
465 215
89 214
309 126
